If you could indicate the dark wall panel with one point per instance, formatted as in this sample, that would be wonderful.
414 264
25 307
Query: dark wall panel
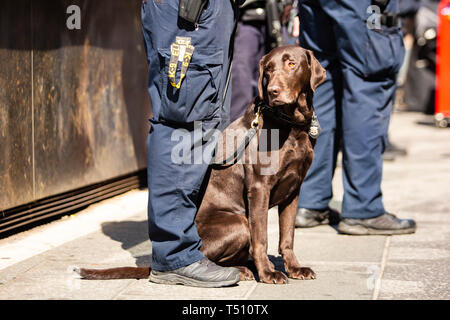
90 94
16 172
90 98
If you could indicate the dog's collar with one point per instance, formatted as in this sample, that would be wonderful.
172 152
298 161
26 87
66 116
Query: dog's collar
277 114
282 117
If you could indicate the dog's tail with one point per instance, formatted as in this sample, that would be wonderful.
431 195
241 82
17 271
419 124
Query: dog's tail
114 273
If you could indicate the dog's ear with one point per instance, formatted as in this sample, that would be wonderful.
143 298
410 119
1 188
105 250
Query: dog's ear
318 73
261 79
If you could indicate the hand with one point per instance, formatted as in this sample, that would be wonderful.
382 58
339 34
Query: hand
285 15
296 27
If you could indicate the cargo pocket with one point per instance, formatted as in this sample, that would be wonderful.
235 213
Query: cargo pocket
197 99
385 51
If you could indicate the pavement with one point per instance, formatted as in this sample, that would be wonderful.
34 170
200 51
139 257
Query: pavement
37 264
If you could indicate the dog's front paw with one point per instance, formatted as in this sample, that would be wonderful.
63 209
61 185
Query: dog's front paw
273 277
302 273
246 274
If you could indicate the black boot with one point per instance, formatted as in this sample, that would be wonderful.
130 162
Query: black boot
386 224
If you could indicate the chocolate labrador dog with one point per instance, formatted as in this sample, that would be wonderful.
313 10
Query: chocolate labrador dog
232 217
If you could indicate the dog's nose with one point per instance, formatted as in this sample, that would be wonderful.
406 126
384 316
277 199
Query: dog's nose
273 90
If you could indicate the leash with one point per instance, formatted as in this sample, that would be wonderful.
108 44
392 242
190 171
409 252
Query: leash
237 155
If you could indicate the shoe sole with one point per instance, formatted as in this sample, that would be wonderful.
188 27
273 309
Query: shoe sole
309 223
176 279
359 230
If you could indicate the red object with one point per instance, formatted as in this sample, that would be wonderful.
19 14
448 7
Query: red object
442 108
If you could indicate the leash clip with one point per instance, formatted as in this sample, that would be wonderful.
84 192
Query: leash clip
255 122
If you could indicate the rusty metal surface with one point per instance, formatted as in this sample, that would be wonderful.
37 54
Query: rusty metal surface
86 120
16 173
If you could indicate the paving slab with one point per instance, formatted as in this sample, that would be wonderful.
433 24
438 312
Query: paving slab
418 266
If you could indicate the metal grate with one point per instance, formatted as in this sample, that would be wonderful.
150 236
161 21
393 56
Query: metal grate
28 215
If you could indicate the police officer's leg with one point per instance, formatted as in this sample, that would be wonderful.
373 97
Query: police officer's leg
366 108
316 191
368 87
370 61
174 183
249 48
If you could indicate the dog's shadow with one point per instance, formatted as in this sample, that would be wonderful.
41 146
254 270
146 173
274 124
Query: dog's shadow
133 236
277 262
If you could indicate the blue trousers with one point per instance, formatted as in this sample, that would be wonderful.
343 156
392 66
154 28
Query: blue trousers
249 48
353 105
174 186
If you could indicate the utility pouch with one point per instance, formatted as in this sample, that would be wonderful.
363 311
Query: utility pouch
190 10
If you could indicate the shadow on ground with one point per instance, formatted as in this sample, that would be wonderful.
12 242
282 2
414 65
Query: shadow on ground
133 235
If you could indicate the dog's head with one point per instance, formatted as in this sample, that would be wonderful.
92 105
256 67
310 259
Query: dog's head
288 76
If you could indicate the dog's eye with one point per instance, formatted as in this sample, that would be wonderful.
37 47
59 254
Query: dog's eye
291 64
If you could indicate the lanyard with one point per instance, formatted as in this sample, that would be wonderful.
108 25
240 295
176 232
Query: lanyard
181 51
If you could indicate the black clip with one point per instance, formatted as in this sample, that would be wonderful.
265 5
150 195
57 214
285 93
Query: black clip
190 10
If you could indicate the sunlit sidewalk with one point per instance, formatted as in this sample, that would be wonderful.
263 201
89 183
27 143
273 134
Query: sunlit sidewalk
37 264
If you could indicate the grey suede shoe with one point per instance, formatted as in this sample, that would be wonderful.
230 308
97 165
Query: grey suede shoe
307 218
203 273
386 224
